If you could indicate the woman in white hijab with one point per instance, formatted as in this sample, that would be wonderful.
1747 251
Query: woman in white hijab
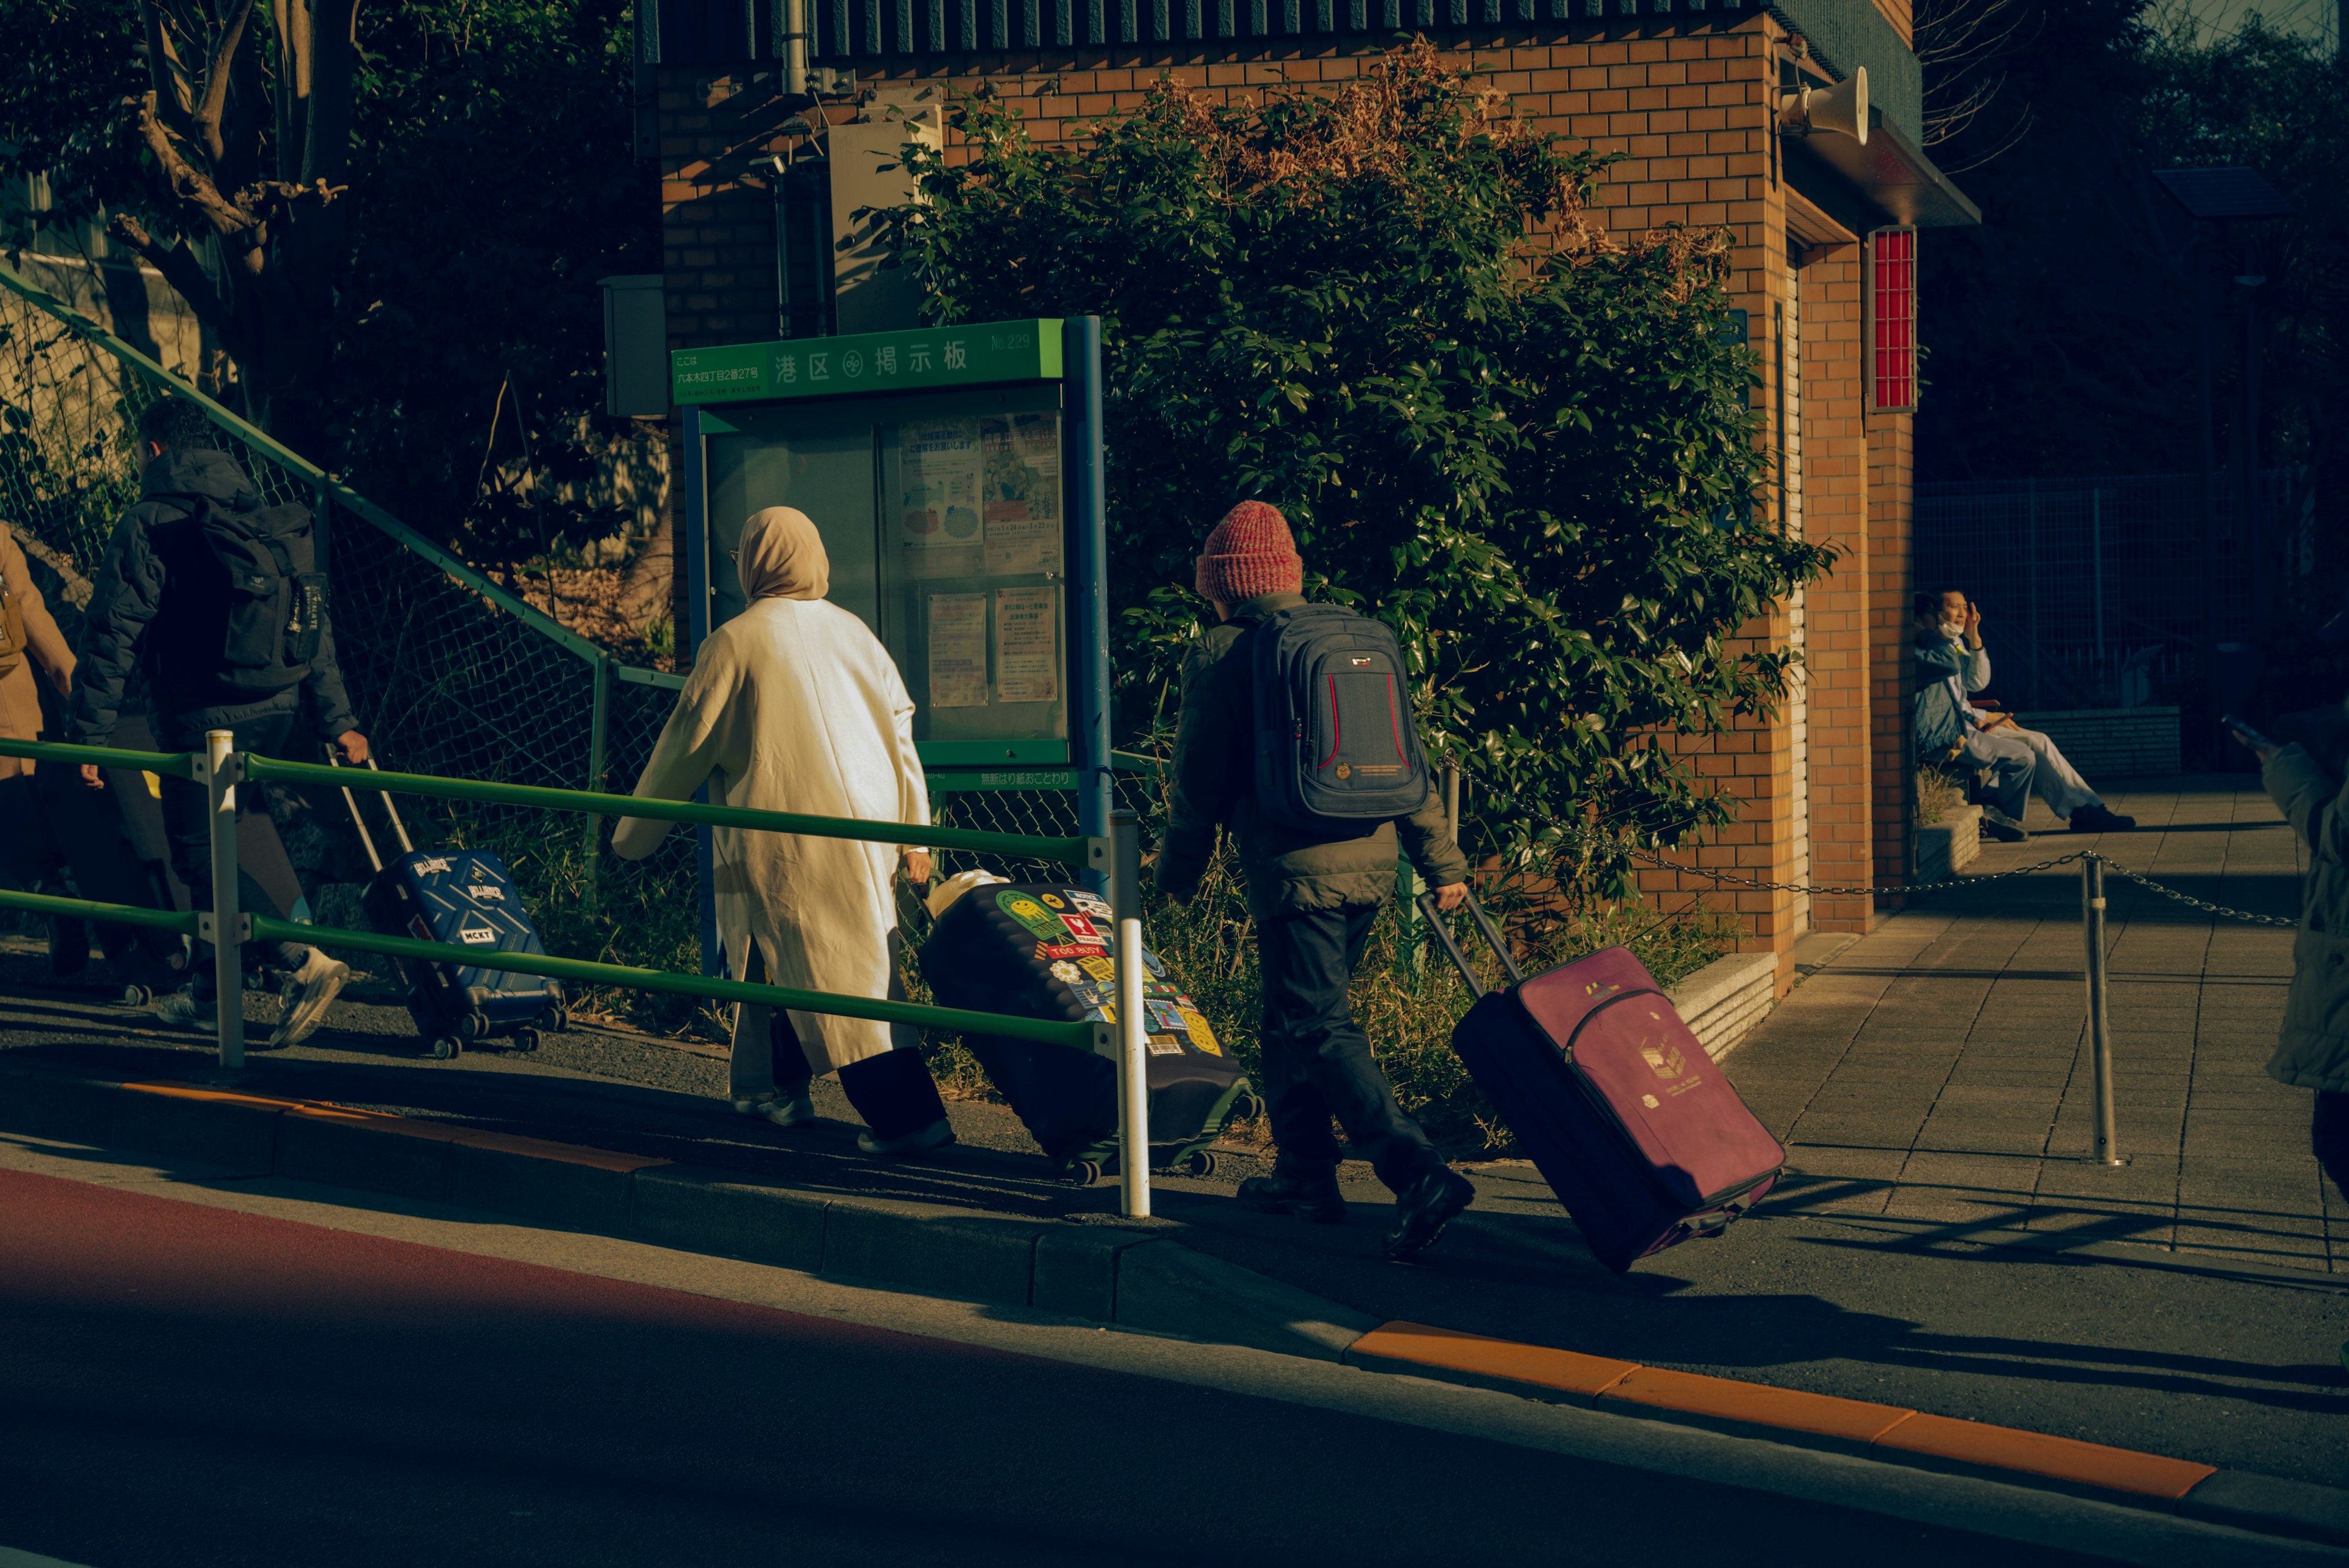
794 705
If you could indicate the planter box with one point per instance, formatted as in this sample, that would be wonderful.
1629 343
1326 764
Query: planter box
2113 742
1725 999
1948 846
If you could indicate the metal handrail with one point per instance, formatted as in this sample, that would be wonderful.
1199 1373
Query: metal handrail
1081 852
1078 1036
249 767
177 764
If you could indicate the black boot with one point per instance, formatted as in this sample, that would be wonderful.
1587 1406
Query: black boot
1308 1189
1424 1208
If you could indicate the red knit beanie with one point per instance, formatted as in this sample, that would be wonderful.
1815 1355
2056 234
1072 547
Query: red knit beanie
1249 554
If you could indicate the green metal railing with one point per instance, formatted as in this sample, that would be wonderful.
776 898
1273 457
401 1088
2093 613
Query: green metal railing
1082 854
1085 854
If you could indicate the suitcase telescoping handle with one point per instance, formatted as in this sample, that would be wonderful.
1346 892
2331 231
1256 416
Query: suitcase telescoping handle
335 759
1441 924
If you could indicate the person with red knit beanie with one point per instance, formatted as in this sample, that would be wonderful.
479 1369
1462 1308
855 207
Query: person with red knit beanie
1314 897
1248 555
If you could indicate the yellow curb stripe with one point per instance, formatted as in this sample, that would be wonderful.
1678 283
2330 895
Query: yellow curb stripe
1791 1409
220 1096
410 1126
2064 1458
1569 1371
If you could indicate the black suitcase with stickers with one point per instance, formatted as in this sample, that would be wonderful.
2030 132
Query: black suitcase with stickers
463 898
1040 950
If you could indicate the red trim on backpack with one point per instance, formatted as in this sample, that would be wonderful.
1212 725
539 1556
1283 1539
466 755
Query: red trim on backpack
1394 717
1335 736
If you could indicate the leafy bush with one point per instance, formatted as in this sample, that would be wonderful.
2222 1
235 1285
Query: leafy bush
1529 448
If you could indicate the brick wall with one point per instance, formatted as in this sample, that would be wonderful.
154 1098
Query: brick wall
1686 104
1891 673
1835 513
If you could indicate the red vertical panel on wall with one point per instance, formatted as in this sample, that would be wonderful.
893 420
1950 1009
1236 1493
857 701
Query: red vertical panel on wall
1892 318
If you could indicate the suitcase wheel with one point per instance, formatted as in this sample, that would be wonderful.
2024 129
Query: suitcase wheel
1248 1107
1082 1172
447 1046
470 1026
525 1039
1199 1162
138 995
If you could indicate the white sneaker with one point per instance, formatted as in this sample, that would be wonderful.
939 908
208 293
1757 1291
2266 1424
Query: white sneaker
180 1010
784 1110
306 995
795 1110
937 1134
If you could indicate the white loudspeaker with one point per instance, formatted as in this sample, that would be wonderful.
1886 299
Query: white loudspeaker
1841 107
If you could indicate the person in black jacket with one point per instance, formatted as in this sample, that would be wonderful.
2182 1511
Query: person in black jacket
159 607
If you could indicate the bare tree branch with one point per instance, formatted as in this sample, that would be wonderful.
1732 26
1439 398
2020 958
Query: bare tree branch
190 184
181 270
216 81
167 79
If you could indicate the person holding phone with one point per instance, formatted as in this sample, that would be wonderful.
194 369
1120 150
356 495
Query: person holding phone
1952 665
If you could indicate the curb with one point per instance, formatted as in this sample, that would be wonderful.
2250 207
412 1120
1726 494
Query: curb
1129 1272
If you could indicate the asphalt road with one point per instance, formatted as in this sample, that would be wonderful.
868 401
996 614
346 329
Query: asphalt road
2165 1353
183 1385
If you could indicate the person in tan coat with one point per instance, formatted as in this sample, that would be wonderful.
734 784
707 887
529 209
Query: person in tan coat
29 639
29 636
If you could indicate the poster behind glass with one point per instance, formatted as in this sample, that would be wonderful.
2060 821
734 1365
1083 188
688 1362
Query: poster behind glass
974 567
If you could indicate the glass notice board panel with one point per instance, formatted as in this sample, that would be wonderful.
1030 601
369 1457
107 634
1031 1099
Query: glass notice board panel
945 519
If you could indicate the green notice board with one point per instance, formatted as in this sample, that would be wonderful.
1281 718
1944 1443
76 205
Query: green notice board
809 367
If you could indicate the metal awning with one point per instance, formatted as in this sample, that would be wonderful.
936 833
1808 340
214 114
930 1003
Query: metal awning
1895 176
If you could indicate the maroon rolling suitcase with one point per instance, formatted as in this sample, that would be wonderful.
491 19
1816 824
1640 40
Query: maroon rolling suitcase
1627 1118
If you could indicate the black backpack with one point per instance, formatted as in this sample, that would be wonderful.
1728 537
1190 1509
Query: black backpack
1336 750
275 610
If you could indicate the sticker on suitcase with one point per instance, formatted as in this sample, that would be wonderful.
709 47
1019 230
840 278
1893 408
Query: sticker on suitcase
1085 931
1041 921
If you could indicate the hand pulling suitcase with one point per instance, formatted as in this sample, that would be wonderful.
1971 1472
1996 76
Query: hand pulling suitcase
1638 1134
1046 951
463 898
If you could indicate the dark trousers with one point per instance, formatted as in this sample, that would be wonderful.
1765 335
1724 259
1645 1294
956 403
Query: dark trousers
52 823
187 827
2328 1135
1317 1060
894 1092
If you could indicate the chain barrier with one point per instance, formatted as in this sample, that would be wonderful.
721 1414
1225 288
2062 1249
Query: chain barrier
1758 885
2192 902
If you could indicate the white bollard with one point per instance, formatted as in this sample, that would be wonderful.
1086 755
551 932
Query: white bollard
228 957
1132 1019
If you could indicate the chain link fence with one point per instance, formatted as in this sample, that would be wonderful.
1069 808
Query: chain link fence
2098 586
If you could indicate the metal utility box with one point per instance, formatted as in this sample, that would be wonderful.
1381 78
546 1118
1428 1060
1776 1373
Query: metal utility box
636 344
955 475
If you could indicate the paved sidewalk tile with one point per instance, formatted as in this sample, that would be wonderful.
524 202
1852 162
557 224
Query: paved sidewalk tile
1939 1070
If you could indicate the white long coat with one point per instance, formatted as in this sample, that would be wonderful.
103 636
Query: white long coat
794 705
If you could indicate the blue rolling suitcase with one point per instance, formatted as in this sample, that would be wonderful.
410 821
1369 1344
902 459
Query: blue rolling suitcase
463 898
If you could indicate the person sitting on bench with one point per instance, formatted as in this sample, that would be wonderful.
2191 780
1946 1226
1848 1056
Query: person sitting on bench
1951 666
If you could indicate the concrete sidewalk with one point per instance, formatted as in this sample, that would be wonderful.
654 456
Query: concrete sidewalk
1937 1070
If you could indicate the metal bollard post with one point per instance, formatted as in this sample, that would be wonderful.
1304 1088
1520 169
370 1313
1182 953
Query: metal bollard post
2103 1148
1133 1019
227 921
